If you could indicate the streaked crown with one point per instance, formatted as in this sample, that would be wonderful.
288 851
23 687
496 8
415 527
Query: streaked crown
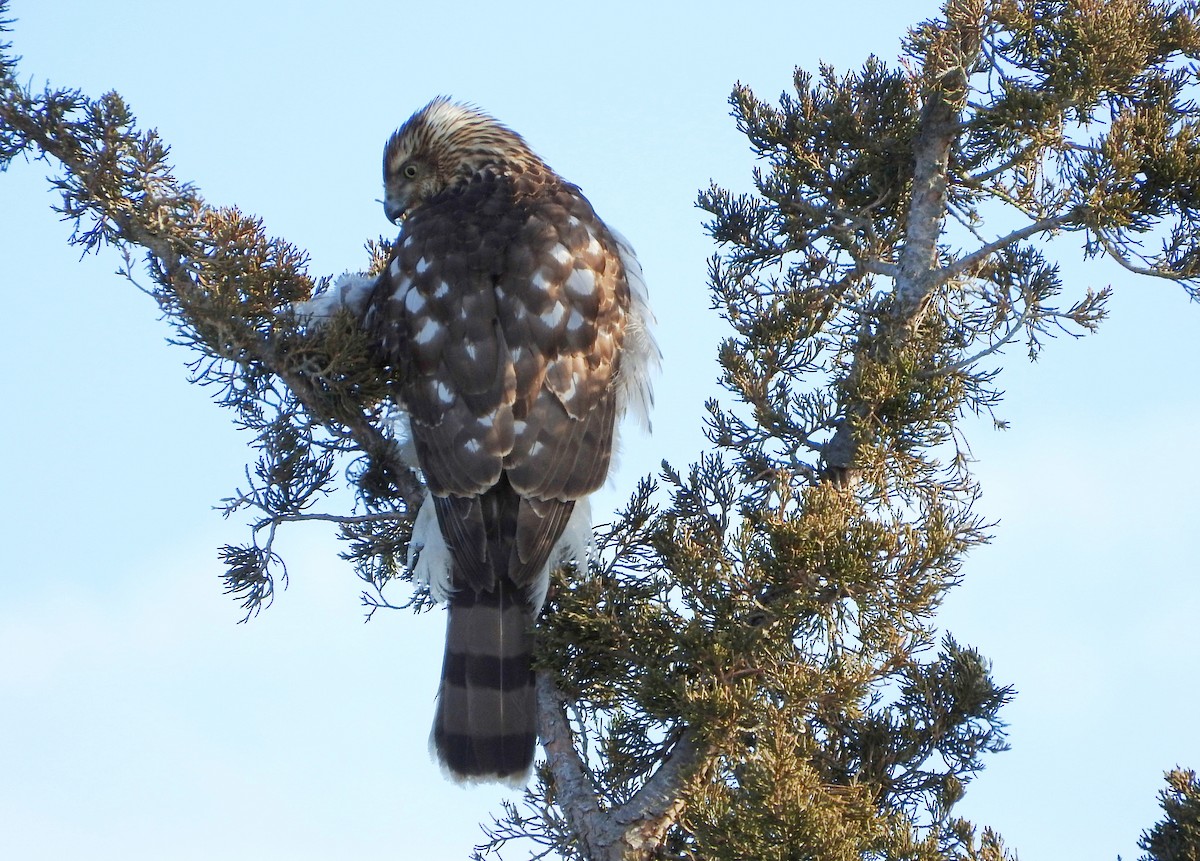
445 143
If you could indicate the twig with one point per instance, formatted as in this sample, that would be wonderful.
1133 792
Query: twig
975 258
380 516
1116 254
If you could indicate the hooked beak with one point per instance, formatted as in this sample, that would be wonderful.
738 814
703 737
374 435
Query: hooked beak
394 210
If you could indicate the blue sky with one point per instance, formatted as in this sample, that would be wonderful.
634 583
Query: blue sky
139 721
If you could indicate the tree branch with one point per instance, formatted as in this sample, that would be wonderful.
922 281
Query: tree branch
963 364
633 830
917 272
977 180
968 262
179 267
377 517
1114 251
927 211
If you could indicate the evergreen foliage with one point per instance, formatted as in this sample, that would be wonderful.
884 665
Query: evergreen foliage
751 669
1177 837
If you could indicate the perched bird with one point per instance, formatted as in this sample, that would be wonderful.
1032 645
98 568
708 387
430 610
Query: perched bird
514 325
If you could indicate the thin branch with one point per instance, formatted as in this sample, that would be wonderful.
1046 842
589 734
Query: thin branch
1115 252
977 180
381 516
967 218
963 364
976 258
878 267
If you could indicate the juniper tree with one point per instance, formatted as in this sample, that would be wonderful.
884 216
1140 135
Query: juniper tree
751 667
1177 836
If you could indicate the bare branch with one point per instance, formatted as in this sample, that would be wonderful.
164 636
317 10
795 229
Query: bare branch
878 267
573 790
377 517
927 210
1116 253
635 829
963 364
658 805
967 263
977 180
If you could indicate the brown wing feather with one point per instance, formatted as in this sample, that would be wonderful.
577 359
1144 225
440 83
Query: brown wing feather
509 305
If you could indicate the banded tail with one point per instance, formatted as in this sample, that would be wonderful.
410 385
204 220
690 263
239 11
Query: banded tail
485 727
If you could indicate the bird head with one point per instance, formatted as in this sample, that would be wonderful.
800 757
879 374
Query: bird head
442 145
411 174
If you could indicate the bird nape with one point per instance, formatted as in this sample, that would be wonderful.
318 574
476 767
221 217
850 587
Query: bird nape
514 326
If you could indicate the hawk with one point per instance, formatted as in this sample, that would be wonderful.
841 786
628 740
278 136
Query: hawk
514 325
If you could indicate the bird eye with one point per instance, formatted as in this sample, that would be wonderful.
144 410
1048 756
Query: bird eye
410 171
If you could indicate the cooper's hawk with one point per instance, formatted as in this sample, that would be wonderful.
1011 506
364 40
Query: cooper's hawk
514 325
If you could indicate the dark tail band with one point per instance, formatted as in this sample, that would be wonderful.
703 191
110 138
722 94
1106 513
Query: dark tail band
486 723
